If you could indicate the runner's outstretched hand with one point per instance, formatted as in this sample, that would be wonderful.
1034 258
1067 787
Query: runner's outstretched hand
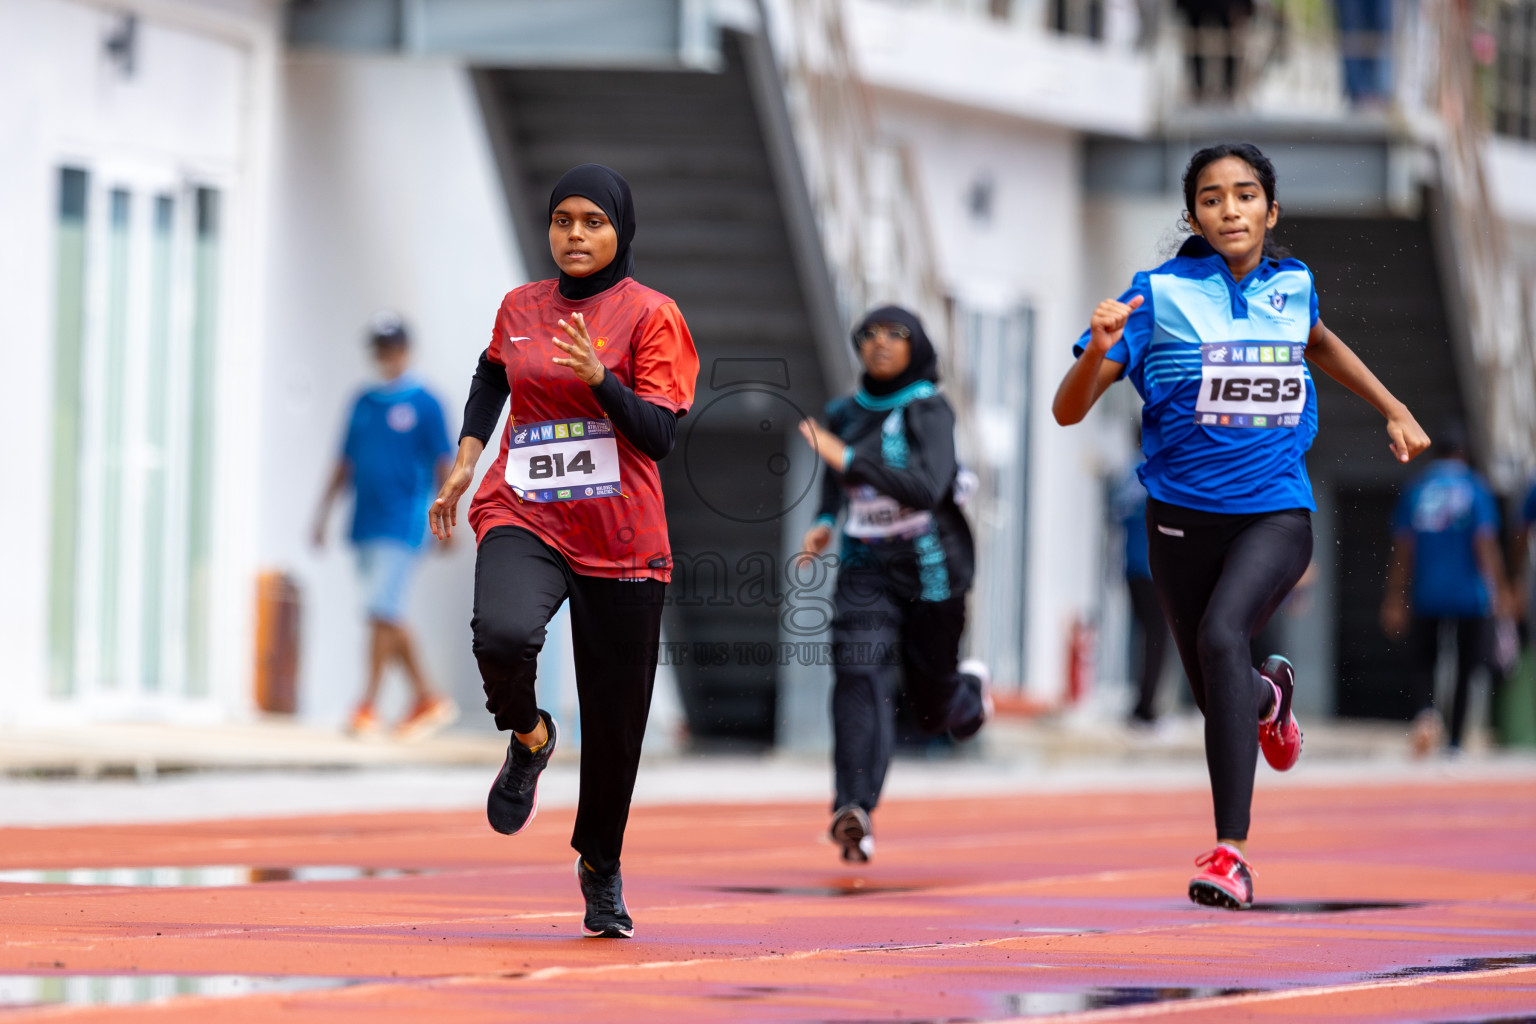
816 540
443 515
825 443
582 357
1408 438
1108 322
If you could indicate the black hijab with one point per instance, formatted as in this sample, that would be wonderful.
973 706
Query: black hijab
608 189
925 361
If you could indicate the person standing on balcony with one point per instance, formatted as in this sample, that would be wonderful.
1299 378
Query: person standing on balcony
907 562
598 368
1214 341
396 450
1365 40
1215 39
1446 571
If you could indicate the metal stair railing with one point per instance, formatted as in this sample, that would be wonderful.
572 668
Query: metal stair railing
863 186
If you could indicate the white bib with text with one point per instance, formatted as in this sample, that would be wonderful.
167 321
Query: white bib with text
1246 384
563 460
876 516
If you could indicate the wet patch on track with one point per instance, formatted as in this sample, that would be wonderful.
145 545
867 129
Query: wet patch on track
22 990
1331 906
832 891
201 876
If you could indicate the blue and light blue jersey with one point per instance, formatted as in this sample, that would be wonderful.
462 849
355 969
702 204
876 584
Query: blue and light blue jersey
1230 405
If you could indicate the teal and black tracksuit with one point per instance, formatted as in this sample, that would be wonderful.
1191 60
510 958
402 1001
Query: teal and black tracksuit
907 561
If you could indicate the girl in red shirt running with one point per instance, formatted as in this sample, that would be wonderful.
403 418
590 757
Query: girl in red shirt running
598 368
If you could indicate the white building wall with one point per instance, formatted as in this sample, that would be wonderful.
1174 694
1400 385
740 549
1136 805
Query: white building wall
387 196
194 111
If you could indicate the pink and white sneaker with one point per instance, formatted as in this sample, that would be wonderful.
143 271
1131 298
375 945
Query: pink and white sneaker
1226 880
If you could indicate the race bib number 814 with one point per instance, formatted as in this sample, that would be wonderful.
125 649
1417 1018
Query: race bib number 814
1248 385
563 460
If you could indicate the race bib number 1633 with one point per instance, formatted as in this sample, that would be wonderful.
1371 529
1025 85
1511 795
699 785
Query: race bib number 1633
563 460
1249 385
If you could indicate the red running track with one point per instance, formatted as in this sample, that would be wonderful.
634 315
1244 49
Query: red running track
974 910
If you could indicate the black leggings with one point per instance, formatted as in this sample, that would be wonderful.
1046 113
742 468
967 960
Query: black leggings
1219 579
1153 632
881 641
1475 648
520 582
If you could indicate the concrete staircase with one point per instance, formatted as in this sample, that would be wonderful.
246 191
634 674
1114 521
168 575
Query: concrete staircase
1380 289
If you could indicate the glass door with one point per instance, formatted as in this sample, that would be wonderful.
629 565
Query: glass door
135 359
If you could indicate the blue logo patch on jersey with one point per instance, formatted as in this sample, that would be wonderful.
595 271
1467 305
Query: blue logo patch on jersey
1277 299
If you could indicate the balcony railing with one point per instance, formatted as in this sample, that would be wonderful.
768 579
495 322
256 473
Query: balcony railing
1508 41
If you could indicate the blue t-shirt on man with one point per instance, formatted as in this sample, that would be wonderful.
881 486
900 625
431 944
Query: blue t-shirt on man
394 441
1220 363
1445 510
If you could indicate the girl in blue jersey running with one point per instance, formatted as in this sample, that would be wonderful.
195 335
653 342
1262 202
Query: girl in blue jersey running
1216 342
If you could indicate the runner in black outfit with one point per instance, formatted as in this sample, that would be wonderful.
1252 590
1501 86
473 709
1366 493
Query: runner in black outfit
907 561
1214 341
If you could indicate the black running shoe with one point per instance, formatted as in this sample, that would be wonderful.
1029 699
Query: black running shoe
607 917
851 831
976 669
514 797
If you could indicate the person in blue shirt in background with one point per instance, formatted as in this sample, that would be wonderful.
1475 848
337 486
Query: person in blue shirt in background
1446 568
1130 506
1520 554
395 456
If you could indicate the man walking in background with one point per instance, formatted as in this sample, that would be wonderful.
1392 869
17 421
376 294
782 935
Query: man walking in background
395 456
1446 541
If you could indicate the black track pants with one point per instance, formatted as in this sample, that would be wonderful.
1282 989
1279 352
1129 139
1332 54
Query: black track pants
879 641
1219 579
520 582
1153 632
1474 648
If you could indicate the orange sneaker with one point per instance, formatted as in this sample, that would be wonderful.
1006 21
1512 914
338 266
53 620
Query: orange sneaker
427 717
363 724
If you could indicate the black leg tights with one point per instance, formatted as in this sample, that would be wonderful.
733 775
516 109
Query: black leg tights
520 583
1219 579
1475 645
883 643
1154 642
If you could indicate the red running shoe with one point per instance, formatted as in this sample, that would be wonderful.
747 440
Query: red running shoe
1225 882
1280 737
